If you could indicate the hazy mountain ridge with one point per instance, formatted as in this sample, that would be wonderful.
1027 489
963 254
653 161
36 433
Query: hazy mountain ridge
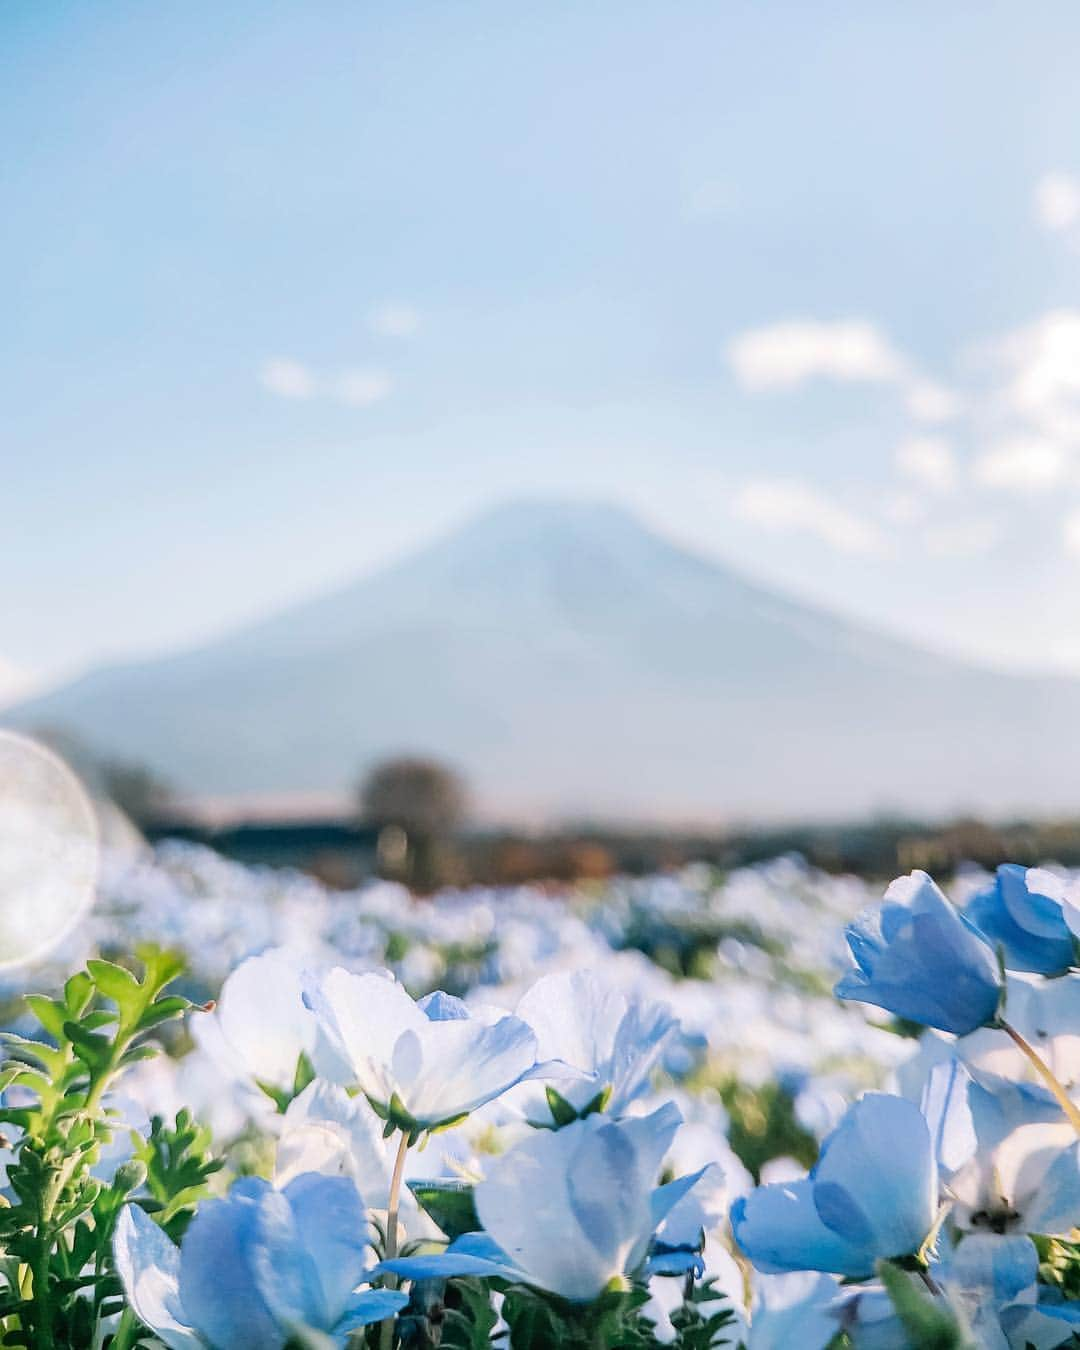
570 660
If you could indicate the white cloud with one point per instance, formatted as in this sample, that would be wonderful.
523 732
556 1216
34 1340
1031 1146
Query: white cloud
361 388
929 461
930 402
788 505
782 355
394 320
904 508
1029 464
848 351
1041 367
287 378
962 538
1057 201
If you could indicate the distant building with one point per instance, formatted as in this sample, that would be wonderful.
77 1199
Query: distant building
336 851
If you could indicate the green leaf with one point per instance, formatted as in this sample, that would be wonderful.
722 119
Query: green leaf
164 1010
92 1048
928 1324
120 985
49 1013
162 967
78 992
449 1203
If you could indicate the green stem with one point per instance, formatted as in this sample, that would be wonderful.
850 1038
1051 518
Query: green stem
386 1330
43 1337
1046 1074
125 1331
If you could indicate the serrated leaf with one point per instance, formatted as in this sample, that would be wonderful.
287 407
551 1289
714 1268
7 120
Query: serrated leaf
162 967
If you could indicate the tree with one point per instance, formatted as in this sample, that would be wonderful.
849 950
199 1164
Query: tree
417 804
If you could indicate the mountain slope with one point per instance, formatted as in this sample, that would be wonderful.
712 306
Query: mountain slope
569 660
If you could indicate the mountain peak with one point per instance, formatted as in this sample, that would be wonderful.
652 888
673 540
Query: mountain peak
531 515
567 657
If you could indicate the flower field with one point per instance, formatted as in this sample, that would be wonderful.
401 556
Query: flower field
244 1111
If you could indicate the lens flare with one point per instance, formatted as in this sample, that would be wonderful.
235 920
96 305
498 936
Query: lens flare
48 850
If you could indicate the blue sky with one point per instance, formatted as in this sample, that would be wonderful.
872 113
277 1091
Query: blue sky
291 287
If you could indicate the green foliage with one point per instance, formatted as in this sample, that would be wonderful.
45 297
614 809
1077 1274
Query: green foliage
56 1235
698 1322
1059 1265
457 1315
449 1203
178 1168
542 1322
764 1126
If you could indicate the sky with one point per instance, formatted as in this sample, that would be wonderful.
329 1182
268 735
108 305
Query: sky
290 288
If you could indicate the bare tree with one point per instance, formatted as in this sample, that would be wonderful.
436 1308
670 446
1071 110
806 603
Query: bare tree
417 804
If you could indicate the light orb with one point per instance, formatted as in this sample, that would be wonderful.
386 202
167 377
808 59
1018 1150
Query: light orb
49 850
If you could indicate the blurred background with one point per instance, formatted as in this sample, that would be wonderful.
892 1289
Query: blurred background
486 442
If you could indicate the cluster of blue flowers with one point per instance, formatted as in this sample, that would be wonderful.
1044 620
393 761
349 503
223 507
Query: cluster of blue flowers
973 1191
549 1172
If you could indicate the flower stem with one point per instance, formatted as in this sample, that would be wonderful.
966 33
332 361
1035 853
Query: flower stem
1046 1074
386 1330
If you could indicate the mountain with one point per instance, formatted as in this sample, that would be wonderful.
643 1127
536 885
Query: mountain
570 661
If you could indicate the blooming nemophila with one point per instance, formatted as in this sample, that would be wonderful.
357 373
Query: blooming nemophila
918 957
969 1110
991 1285
422 1065
568 1211
257 1269
1020 914
325 1130
794 1309
260 1026
872 1195
1009 1160
1029 1182
582 1019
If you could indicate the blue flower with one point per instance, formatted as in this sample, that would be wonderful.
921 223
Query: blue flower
1043 1318
795 1309
420 1065
1026 923
918 957
872 1195
970 1111
583 1020
567 1210
991 1283
256 1269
